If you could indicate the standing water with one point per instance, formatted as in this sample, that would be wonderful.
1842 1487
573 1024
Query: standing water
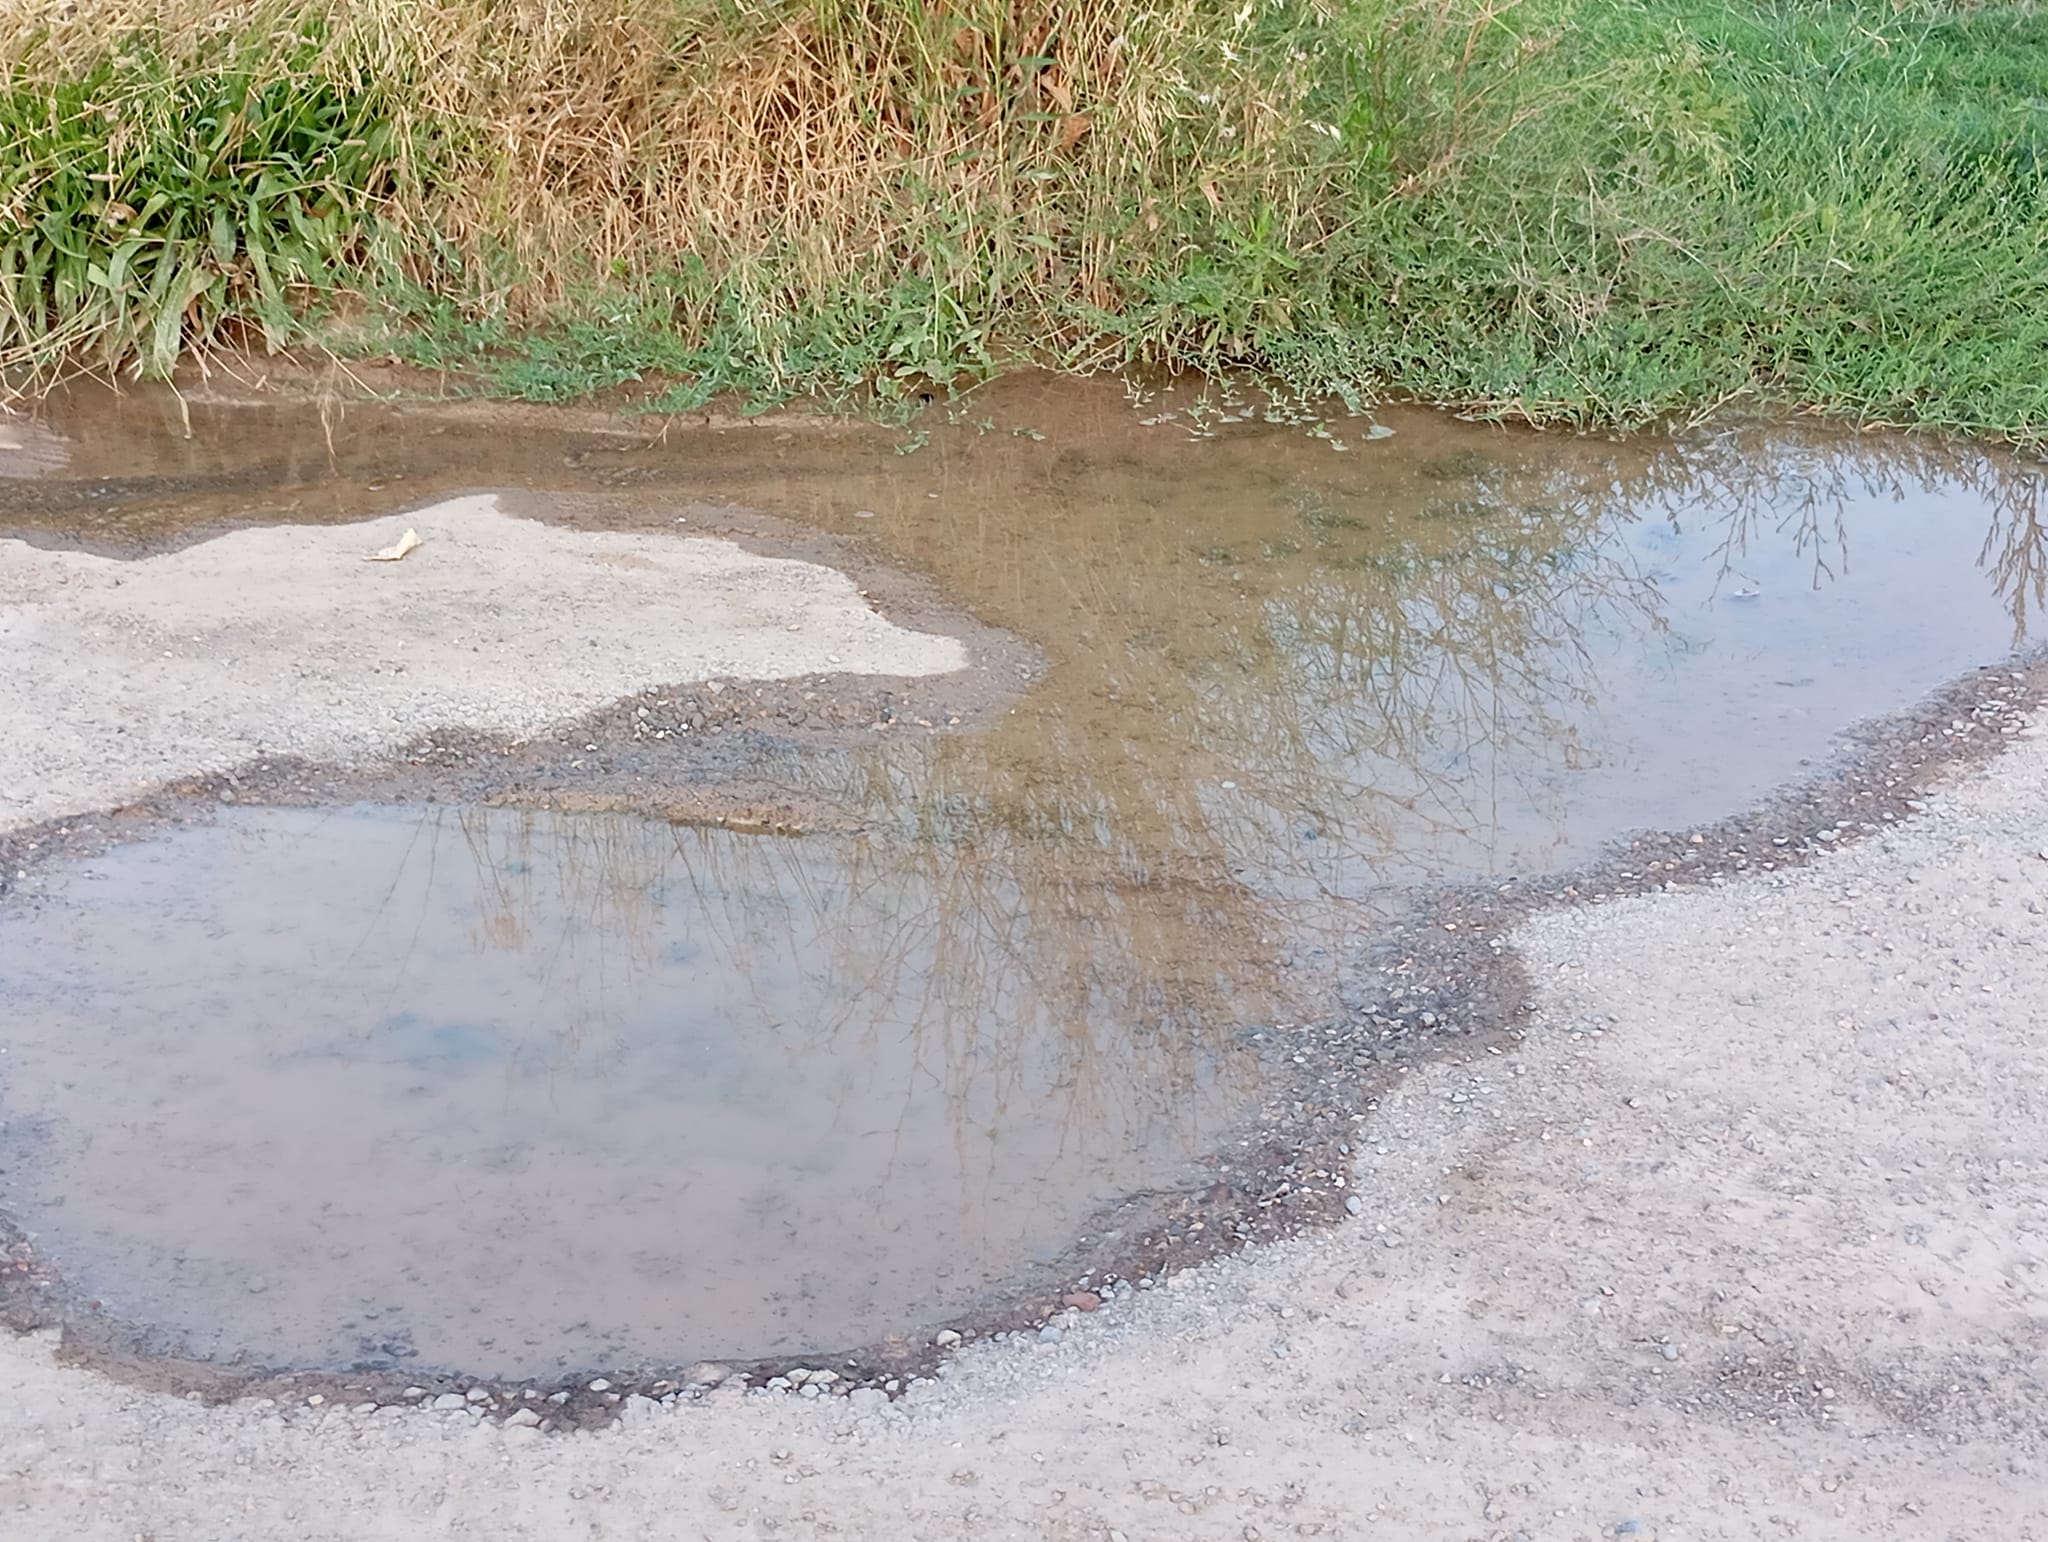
515 1092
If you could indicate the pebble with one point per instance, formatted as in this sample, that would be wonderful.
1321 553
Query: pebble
707 1373
945 1338
1669 1351
1081 1300
600 1385
1050 1334
477 1395
1353 1205
448 1402
524 1418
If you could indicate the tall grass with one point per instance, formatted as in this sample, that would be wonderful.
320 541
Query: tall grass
1577 210
804 187
1821 202
159 185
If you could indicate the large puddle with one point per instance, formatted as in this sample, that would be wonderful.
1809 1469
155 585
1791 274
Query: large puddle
514 1092
519 1092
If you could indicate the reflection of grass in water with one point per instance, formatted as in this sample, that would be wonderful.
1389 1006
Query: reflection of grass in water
1091 1005
1053 915
1381 681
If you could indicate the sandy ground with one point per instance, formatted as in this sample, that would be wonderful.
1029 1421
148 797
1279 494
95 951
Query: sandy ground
1748 1238
284 641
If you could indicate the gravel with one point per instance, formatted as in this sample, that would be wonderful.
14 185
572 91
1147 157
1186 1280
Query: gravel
282 641
1492 1378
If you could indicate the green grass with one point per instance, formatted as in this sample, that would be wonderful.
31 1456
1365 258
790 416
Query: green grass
1576 211
147 206
1832 206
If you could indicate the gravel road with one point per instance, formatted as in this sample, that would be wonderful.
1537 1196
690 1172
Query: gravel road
1743 1233
282 641
1747 1237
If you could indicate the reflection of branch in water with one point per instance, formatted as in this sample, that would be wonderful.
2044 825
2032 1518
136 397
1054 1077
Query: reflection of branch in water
1077 1014
1807 491
2015 551
1410 670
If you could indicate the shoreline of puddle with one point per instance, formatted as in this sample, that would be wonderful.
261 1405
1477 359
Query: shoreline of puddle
1436 979
1450 985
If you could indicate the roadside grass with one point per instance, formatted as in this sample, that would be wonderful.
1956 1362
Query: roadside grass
1840 207
1594 212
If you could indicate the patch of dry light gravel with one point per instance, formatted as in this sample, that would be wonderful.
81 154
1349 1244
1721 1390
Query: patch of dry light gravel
283 641
1746 1237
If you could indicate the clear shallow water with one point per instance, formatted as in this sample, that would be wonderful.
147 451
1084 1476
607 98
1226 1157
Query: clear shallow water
513 1093
517 1093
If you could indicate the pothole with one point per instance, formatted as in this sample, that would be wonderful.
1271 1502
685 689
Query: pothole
513 1093
332 1077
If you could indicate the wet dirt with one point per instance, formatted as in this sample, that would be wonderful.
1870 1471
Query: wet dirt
1312 724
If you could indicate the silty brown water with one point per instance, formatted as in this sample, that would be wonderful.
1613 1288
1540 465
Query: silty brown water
1286 682
520 1092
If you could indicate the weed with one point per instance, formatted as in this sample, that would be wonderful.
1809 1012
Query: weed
149 200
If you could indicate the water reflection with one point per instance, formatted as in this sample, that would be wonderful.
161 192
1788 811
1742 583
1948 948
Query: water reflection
567 1089
579 1089
1455 664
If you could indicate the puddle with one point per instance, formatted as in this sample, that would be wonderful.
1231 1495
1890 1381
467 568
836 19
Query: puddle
28 448
513 1093
554 1090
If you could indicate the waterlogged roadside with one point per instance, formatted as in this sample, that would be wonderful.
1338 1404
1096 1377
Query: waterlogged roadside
1377 708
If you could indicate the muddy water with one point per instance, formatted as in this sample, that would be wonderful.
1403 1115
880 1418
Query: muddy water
519 1093
737 1095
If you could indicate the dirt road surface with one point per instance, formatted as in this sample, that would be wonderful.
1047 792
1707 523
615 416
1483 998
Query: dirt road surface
1748 1238
283 641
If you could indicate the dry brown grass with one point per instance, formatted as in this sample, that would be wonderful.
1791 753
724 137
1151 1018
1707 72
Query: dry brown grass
1032 143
